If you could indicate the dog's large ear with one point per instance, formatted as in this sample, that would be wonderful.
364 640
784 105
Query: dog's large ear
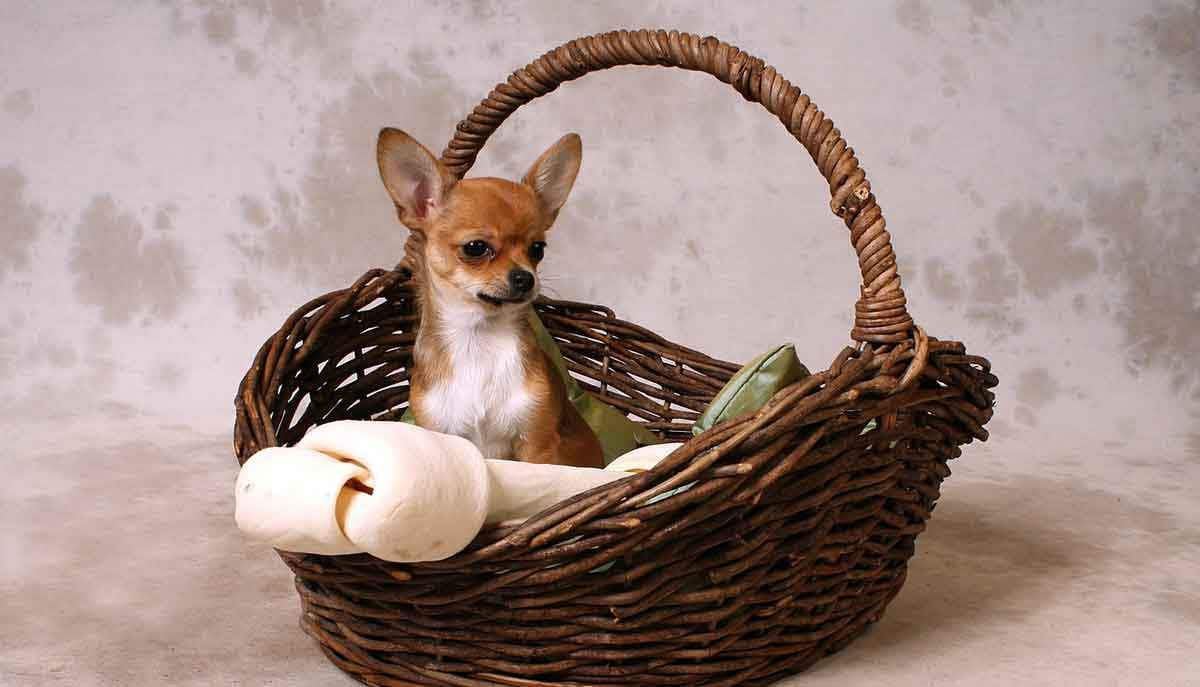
553 175
414 178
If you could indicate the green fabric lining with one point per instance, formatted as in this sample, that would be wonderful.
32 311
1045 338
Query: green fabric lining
753 386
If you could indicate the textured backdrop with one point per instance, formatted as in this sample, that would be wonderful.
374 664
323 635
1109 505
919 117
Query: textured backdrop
176 178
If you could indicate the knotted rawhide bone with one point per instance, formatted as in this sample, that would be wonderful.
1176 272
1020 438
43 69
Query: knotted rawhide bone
420 495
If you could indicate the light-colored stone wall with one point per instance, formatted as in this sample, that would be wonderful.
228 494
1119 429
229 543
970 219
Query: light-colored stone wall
175 178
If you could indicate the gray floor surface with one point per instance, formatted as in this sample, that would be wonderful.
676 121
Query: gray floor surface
1042 566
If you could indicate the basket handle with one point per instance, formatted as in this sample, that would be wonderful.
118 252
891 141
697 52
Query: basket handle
881 314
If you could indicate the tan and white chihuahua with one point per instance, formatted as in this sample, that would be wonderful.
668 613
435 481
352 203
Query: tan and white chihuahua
478 371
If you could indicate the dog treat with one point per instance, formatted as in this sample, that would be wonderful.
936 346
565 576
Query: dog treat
520 490
644 458
289 498
429 495
396 491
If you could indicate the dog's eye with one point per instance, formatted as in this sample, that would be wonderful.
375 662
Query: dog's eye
476 249
537 251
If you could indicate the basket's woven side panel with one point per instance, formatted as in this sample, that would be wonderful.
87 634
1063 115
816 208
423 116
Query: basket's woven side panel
344 355
633 369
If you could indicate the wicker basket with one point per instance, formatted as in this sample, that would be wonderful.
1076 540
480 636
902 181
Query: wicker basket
794 537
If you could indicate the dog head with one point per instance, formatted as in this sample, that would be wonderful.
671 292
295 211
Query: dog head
481 238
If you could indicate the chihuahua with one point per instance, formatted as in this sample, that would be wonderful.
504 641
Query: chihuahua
479 372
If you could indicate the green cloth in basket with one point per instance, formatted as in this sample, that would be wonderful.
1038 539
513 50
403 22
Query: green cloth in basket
753 386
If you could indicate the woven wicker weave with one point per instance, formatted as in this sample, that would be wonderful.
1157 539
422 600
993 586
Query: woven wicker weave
793 539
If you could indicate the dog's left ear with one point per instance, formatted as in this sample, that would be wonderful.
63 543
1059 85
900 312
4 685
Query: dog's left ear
414 178
553 175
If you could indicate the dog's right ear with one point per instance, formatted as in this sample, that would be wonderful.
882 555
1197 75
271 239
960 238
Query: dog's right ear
414 178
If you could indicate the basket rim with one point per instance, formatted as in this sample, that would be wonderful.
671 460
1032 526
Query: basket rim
865 379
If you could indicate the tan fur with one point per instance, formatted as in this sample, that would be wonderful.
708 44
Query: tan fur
455 319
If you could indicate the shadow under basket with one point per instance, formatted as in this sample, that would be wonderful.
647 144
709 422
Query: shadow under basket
798 526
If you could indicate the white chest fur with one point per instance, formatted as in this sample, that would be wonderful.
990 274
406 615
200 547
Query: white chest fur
483 398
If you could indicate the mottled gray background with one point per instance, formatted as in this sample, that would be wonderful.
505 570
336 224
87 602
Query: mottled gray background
175 178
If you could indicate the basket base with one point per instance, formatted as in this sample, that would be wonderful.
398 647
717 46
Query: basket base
773 662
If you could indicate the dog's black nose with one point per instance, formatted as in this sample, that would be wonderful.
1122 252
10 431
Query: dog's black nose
521 280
